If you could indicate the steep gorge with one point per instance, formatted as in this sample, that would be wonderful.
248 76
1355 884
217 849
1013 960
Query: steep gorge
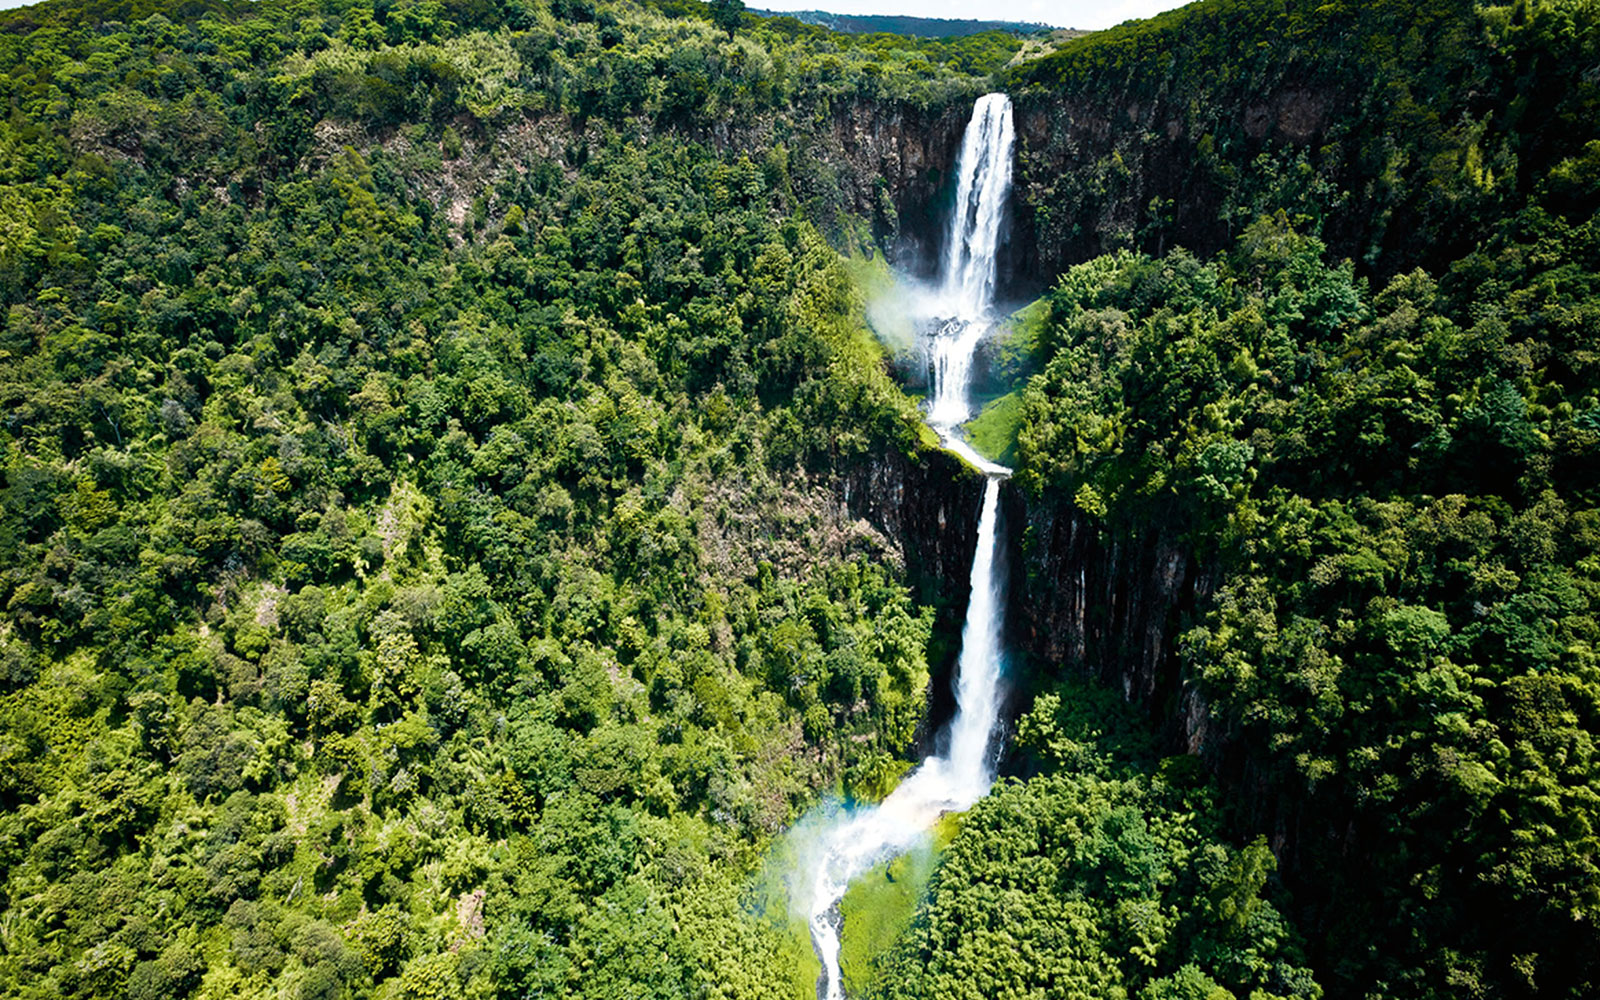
462 487
962 767
1404 151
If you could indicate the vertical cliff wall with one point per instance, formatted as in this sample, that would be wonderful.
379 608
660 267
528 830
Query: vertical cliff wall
1103 169
928 502
889 162
1391 131
1109 609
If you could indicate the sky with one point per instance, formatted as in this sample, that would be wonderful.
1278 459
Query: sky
1061 13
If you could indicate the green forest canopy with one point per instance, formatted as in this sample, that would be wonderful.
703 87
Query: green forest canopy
417 591
422 572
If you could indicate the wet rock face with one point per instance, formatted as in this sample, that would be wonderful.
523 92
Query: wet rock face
929 503
894 163
1110 609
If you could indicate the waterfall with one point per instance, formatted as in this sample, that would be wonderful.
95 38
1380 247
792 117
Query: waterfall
961 776
983 172
983 181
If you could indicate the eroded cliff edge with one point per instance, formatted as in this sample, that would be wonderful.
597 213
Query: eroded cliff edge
1108 608
1112 608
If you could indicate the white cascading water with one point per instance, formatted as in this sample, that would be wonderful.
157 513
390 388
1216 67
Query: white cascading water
962 776
967 295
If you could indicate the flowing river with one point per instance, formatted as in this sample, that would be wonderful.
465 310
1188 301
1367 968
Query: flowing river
962 775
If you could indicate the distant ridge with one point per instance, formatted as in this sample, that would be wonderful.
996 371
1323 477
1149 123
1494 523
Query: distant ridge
920 27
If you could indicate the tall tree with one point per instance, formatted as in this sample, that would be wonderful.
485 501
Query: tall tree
727 15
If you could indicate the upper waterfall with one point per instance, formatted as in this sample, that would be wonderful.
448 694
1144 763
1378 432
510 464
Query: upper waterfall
963 774
966 298
983 184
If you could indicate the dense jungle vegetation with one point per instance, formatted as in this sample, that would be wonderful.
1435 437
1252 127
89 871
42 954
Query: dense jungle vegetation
1402 133
422 592
1105 874
423 564
1393 480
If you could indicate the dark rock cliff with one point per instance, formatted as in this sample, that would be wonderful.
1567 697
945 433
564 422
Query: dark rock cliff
927 502
1108 609
1098 171
890 162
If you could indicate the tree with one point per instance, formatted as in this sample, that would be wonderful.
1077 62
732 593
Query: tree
727 14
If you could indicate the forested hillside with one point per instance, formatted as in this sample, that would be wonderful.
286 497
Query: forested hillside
1107 873
1381 473
423 564
1402 134
457 518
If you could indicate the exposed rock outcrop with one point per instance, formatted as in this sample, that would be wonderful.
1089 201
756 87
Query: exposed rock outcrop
1099 171
891 162
929 502
1110 609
